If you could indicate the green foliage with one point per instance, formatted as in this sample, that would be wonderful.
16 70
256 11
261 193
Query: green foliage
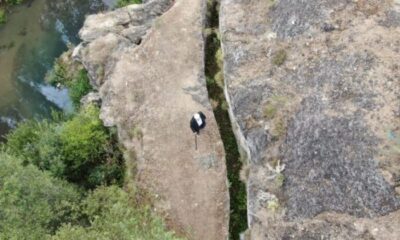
215 84
33 204
80 149
3 16
114 215
123 3
59 74
68 73
13 2
79 87
279 58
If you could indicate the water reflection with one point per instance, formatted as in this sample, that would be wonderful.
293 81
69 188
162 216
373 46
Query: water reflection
35 35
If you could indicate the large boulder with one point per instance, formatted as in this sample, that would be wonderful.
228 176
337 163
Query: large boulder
313 89
147 62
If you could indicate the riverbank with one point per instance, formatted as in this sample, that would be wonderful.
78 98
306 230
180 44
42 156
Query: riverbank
37 32
5 9
79 165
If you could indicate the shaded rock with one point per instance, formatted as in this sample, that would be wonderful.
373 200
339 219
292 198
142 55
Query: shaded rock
91 98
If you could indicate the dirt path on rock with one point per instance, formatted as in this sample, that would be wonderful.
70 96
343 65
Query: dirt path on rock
151 94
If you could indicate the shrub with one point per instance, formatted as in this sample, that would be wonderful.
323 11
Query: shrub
79 149
71 74
79 87
123 3
280 57
114 215
3 16
14 2
59 74
33 204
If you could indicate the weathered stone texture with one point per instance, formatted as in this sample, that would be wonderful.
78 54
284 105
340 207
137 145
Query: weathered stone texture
147 62
327 110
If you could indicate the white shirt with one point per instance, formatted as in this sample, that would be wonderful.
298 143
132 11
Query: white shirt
198 119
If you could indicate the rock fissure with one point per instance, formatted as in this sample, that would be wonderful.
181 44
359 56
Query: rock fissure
150 91
215 87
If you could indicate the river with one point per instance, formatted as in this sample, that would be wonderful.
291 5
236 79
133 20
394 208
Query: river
36 33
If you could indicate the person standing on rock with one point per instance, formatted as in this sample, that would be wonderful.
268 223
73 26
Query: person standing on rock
198 122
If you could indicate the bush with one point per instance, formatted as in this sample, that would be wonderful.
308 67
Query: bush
14 2
123 3
280 57
79 87
71 74
3 17
33 204
59 74
114 215
79 149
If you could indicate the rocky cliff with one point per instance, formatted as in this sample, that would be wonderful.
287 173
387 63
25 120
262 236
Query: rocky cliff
314 91
147 63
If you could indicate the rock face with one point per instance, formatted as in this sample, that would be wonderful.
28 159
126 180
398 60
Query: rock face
147 62
314 90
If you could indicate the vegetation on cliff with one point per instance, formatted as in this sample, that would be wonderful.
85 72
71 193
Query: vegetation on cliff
123 3
70 74
215 83
33 203
4 4
61 178
79 148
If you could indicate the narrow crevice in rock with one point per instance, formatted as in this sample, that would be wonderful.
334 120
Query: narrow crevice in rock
215 85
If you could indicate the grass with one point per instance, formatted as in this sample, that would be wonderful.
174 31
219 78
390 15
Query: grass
279 127
137 133
273 105
270 111
214 77
279 58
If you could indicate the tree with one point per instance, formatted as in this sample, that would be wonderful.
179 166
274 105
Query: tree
79 149
114 215
32 203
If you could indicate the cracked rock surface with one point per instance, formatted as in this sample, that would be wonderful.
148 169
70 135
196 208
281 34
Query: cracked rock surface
314 86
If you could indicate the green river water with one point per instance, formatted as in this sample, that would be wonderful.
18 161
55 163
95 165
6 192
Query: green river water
35 34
